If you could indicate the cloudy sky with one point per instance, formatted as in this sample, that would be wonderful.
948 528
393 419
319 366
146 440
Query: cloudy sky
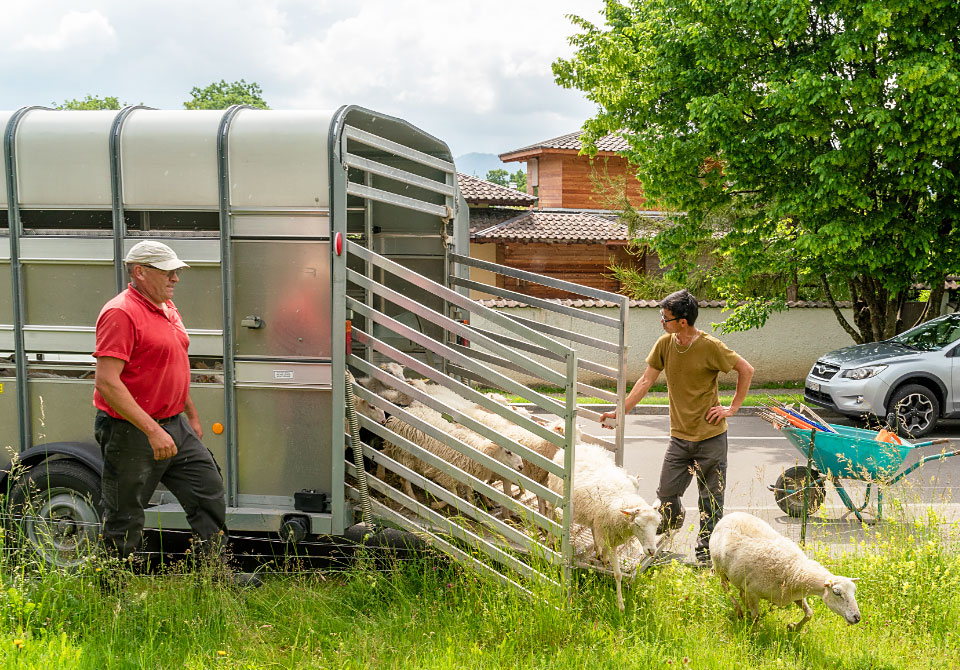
475 74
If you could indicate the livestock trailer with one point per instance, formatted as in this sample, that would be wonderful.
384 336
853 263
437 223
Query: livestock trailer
317 242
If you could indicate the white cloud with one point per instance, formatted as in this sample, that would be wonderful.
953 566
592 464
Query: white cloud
475 74
75 30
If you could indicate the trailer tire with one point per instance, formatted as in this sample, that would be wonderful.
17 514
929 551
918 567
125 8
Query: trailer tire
55 506
794 479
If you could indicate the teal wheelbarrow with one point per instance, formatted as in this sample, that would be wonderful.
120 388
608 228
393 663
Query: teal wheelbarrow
840 453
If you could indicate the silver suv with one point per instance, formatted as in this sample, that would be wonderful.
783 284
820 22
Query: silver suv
915 375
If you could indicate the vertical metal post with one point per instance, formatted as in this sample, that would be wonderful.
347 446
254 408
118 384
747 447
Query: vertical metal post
16 272
336 147
226 280
570 416
622 379
116 194
368 267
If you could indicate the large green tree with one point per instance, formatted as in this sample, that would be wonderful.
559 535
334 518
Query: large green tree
220 95
826 133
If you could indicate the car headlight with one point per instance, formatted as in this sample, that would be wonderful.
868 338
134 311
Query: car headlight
865 372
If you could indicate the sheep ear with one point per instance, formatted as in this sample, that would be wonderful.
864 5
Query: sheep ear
557 427
827 584
854 579
632 513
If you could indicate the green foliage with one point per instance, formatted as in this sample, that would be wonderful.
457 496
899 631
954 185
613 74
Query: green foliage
504 178
827 128
221 95
749 313
91 102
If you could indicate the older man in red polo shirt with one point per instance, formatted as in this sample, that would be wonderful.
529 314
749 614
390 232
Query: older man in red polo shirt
146 424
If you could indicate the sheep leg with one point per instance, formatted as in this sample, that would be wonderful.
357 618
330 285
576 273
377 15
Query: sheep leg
736 604
752 603
407 488
381 472
807 615
618 575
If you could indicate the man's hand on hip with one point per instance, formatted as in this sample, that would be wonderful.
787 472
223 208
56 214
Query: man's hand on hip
163 445
717 413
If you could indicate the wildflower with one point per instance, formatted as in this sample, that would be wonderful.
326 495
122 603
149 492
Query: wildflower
221 652
18 643
686 660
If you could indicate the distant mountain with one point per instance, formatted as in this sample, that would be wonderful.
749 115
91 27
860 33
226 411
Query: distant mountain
479 165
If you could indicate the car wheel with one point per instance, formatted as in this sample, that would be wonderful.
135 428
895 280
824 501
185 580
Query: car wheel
55 505
917 409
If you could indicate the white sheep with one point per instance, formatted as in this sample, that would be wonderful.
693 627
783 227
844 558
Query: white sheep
447 453
605 499
763 564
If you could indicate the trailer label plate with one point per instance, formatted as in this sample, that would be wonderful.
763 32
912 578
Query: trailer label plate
1 388
283 374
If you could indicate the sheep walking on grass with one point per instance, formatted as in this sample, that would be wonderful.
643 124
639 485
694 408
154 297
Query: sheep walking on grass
764 565
605 500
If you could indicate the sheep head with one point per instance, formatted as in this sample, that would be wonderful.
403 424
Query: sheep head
644 521
840 595
560 428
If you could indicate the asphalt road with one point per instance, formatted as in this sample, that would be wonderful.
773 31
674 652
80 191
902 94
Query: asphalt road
758 453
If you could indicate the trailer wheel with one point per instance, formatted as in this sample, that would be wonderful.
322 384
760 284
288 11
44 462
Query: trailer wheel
56 513
789 487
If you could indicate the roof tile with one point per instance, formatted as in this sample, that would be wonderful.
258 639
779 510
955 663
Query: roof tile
578 302
478 191
612 142
539 226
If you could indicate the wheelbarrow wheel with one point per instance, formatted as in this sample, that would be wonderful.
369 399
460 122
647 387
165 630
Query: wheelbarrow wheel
789 487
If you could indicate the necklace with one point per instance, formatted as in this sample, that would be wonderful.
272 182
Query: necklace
677 346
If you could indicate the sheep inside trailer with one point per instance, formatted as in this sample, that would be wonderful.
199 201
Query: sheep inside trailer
297 225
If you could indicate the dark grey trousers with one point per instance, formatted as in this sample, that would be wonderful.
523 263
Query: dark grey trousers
131 475
707 461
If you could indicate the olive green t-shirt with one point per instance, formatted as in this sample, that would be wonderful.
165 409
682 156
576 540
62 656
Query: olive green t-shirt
692 382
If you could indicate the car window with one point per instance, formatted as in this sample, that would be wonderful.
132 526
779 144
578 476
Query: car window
932 335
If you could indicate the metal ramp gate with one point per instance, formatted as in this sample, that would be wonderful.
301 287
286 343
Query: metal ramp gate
399 314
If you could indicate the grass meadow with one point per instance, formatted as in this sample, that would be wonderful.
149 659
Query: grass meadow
422 611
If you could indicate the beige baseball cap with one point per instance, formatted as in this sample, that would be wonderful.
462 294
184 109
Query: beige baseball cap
154 254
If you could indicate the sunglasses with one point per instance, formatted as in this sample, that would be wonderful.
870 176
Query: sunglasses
170 273
665 320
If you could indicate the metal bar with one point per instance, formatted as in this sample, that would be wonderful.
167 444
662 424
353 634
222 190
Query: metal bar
16 276
621 377
438 463
430 538
397 149
367 165
461 505
566 545
454 529
453 326
473 353
603 345
546 353
586 389
589 414
920 462
452 296
394 199
449 351
575 312
116 192
570 287
231 467
469 422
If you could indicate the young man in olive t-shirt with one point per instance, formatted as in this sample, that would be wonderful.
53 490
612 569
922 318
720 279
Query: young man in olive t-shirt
692 361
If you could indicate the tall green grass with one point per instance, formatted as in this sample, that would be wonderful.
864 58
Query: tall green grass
426 612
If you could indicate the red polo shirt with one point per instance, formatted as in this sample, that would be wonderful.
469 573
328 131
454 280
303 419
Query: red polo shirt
153 344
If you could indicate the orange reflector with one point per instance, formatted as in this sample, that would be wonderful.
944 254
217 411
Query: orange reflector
217 428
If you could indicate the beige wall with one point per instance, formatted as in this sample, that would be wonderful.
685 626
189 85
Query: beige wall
783 350
483 252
